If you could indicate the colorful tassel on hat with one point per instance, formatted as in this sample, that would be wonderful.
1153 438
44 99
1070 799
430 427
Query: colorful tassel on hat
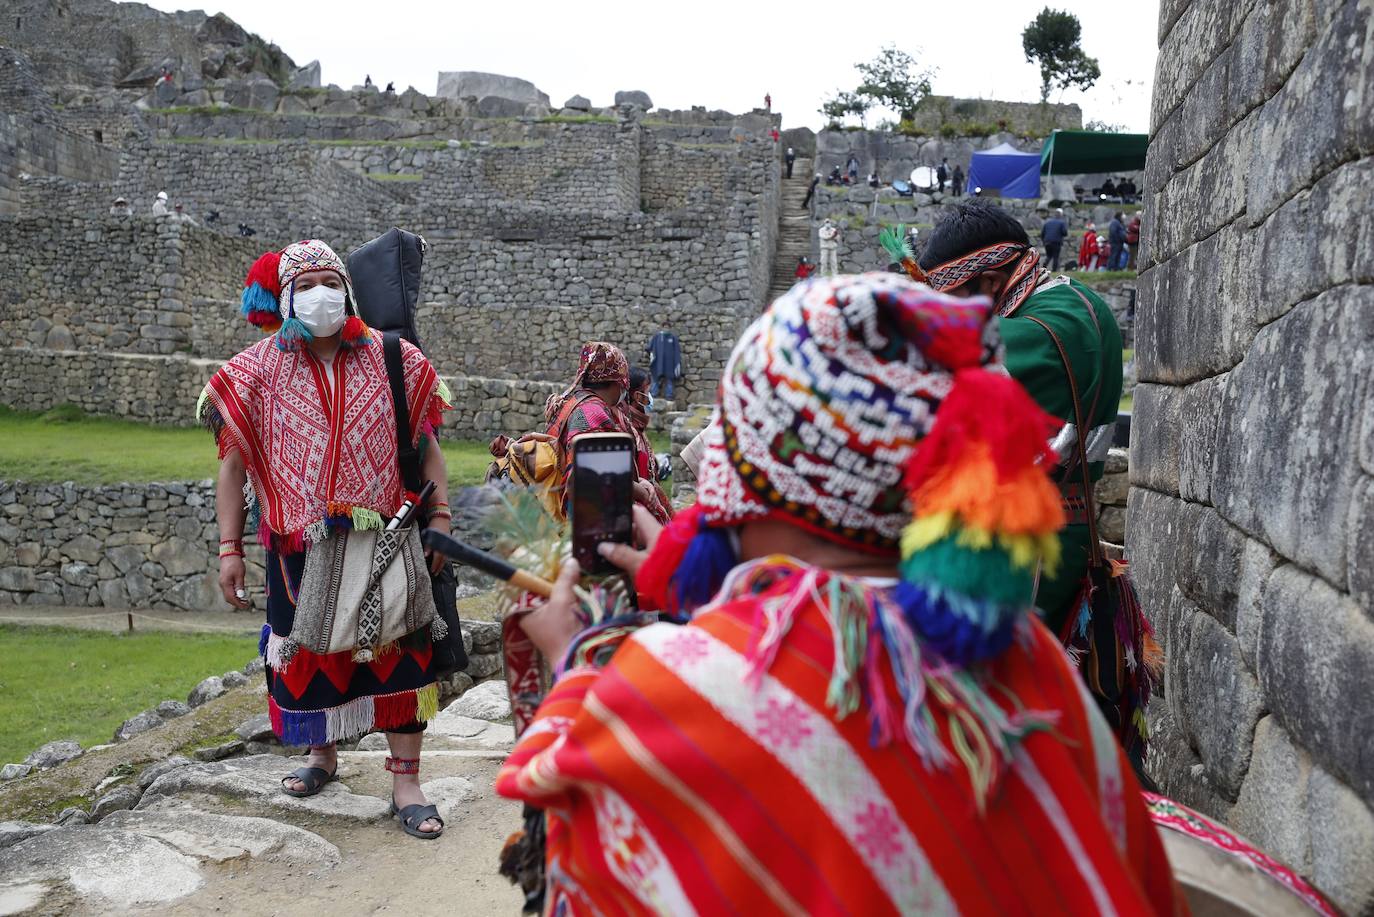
293 335
261 290
986 515
355 332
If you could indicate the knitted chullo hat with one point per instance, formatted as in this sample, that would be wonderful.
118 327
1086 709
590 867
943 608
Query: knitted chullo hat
852 403
269 293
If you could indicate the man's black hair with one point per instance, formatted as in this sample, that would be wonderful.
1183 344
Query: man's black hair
967 227
639 376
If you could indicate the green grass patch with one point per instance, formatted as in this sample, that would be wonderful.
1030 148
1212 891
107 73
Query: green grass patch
60 683
395 176
1127 400
219 141
402 144
66 445
208 110
1127 354
577 119
1096 278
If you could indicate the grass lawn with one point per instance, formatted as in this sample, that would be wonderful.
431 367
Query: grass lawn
60 683
1095 278
64 445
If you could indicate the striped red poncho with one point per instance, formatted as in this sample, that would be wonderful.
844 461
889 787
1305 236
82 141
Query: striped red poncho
317 451
675 782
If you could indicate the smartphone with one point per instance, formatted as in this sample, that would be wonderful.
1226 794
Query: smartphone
602 496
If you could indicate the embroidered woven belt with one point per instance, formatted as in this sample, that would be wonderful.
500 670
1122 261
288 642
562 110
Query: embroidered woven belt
1075 503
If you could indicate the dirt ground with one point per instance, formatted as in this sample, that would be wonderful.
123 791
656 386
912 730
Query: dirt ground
384 871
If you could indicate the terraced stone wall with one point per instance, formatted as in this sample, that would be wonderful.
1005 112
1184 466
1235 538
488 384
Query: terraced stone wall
1252 466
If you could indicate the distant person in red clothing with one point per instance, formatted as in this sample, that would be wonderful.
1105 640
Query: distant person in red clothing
1133 241
804 268
767 101
1087 249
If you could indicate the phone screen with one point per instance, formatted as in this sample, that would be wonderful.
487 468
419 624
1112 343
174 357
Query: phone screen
602 482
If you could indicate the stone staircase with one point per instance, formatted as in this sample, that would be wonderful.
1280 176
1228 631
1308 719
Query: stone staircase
794 229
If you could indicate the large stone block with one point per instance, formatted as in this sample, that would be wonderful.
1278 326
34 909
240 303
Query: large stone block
1316 665
1271 809
1342 832
1151 547
464 83
1200 33
1156 437
1285 465
1310 236
1323 116
1198 415
1221 701
1361 528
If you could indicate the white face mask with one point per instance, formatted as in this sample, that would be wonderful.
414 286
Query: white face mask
320 309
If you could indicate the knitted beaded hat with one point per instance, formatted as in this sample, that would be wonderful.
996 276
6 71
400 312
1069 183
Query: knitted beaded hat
269 293
853 403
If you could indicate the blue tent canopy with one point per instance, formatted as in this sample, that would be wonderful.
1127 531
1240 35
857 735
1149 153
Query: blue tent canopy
1005 169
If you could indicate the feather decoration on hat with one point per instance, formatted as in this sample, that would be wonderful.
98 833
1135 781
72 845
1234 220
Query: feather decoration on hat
897 244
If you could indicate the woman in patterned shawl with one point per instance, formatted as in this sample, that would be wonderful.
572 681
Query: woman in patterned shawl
307 431
861 716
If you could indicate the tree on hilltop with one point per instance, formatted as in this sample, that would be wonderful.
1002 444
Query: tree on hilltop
891 80
1052 40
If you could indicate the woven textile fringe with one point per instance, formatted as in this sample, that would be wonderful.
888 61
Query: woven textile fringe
865 625
347 721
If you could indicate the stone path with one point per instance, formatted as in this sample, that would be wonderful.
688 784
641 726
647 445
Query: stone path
220 836
794 229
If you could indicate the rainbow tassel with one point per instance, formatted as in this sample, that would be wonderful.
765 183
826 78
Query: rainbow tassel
986 515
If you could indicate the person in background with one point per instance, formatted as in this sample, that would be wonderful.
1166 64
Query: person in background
804 268
873 181
789 158
828 734
1133 240
1053 234
828 241
979 249
121 208
160 205
367 80
1102 257
852 169
639 404
1109 188
590 404
942 174
811 192
181 216
390 87
957 181
1116 242
767 101
1087 249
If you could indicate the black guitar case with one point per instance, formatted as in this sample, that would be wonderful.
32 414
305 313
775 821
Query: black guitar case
386 281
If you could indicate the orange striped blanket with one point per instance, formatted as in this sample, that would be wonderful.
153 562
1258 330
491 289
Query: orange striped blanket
674 782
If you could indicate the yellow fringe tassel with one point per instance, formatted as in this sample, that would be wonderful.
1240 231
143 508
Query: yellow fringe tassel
427 703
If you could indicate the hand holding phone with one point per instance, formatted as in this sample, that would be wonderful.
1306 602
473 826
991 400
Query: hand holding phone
602 496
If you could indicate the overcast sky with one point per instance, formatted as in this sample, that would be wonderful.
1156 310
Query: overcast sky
717 53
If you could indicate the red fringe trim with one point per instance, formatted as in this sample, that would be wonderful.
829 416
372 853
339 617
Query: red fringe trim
394 710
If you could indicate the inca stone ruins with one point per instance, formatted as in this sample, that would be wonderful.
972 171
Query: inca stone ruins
1249 522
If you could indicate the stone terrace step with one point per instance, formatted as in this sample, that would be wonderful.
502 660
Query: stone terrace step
794 229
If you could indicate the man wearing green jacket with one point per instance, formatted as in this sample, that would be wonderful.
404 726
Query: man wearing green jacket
979 248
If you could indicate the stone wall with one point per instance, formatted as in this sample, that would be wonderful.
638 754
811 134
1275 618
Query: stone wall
945 114
1252 500
32 142
145 545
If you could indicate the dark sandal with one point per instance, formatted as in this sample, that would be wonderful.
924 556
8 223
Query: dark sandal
415 815
314 779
